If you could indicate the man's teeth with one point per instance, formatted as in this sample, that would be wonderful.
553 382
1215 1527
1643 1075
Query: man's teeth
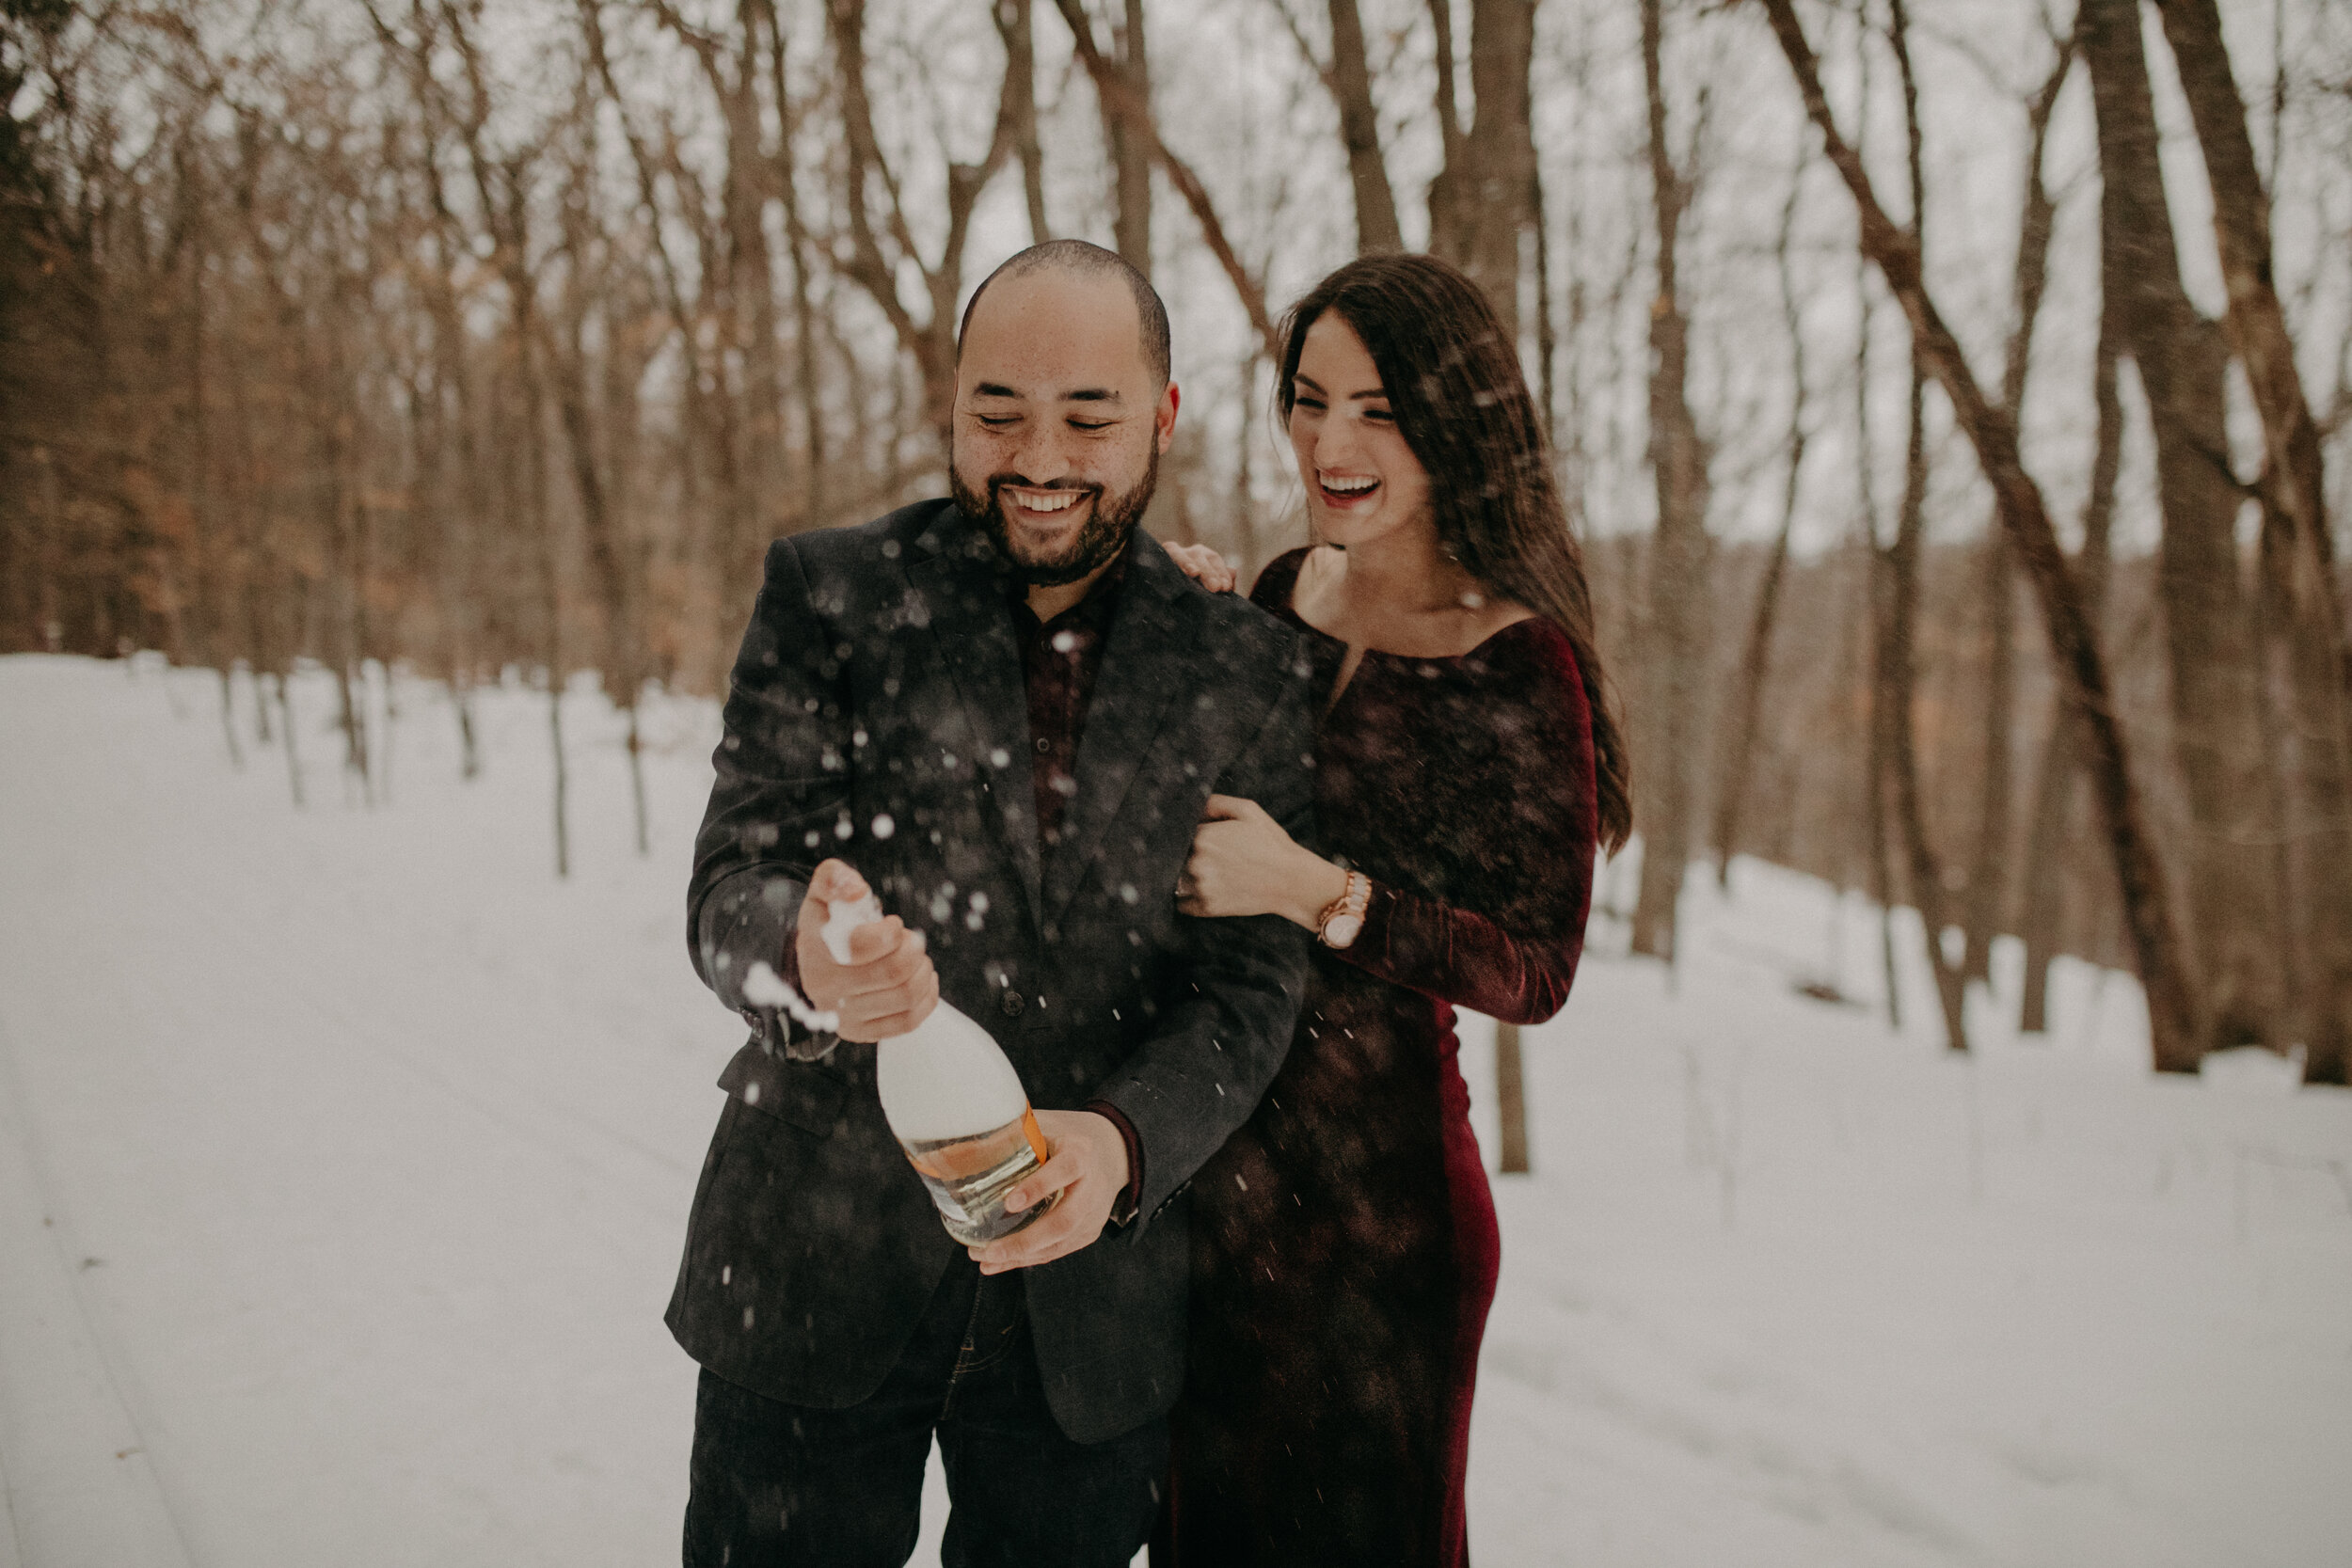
1057 502
1348 486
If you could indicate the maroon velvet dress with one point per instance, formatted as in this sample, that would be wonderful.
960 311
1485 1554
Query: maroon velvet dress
1345 1247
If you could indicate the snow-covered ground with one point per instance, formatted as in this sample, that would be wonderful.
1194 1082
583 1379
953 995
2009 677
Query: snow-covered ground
345 1152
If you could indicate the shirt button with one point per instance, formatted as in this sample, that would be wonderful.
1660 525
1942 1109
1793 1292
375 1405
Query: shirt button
1013 1004
1043 745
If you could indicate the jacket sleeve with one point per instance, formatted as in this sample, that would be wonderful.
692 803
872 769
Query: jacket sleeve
1514 958
1220 1045
783 787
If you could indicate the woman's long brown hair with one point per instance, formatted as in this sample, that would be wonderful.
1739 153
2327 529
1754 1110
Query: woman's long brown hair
1453 378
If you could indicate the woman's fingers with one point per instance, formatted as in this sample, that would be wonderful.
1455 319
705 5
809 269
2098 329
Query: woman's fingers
1203 565
1197 885
1231 808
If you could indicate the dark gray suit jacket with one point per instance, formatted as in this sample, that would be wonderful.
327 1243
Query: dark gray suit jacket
877 712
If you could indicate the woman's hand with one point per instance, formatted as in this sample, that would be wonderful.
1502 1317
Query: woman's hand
1203 565
1243 863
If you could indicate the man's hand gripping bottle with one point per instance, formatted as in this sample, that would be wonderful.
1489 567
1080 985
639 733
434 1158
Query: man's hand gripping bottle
956 1105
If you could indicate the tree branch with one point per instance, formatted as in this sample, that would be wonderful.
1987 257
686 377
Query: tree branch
1111 84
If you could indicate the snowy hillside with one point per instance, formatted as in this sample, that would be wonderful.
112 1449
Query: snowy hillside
346 1153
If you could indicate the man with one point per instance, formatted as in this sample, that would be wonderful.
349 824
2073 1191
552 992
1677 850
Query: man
1004 712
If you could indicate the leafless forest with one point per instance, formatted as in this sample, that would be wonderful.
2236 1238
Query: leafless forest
1955 395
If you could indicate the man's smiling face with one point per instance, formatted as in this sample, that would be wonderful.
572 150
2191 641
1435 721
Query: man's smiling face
1060 420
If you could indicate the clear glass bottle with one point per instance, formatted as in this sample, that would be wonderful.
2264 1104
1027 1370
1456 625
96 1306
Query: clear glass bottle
956 1106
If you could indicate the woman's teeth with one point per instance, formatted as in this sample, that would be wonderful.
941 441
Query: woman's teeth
1349 486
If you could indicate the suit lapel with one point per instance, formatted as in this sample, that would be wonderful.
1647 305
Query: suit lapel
1146 666
972 631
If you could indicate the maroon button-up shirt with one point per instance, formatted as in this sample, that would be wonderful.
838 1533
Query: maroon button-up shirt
1058 661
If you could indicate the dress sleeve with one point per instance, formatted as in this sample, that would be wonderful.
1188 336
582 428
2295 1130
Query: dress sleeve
1514 956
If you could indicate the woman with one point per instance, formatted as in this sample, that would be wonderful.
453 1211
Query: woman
1468 764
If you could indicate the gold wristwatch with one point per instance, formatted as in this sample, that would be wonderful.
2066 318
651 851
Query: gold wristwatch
1343 919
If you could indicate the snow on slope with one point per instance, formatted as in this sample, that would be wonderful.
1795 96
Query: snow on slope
366 1144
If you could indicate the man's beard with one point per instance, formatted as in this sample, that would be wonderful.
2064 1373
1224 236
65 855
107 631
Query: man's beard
1103 535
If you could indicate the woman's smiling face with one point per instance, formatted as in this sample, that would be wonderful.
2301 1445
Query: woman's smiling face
1362 481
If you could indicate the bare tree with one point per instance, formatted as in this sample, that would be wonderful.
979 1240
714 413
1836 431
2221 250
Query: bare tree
501 187
1479 202
1113 86
1130 139
1748 701
2299 547
1015 25
1898 661
879 250
2175 1025
783 177
1347 77
2060 788
1679 547
2183 364
1987 879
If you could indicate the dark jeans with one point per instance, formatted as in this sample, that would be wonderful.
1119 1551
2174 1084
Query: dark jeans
778 1484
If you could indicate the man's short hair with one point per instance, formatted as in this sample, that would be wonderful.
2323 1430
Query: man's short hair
1077 256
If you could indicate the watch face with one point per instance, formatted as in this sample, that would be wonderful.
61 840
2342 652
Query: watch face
1341 929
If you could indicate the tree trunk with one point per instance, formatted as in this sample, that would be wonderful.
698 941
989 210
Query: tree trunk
1478 203
228 720
1678 550
1747 706
1899 671
2176 1027
703 444
1131 154
1898 678
506 205
1988 882
1878 767
1547 336
815 473
1112 85
1245 504
930 342
1511 1100
1871 617
2216 685
768 479
1016 25
1349 79
2298 557
469 749
286 726
566 359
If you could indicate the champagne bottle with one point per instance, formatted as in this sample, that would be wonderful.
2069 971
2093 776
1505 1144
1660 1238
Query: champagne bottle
956 1105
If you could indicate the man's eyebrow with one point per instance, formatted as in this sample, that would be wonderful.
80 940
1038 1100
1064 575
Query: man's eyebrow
1083 394
1313 386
